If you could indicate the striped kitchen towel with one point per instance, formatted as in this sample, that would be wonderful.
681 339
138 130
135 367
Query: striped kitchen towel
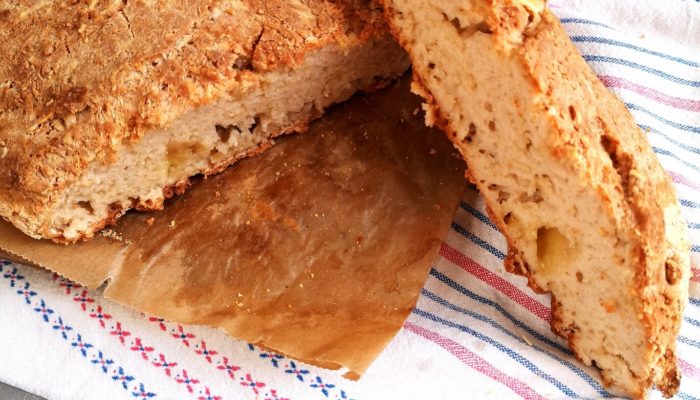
476 332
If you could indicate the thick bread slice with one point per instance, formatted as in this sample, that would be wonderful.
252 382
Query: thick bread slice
112 105
589 213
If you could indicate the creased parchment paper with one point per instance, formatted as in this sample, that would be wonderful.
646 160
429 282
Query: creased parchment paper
317 248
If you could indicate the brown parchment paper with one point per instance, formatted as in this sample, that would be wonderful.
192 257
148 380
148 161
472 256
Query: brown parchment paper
317 248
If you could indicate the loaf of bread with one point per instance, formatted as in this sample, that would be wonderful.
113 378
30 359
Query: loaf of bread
111 106
589 214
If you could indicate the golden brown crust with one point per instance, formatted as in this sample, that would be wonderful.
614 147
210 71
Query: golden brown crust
637 175
78 80
551 62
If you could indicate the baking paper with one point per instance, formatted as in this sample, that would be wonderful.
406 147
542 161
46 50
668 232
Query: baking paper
316 248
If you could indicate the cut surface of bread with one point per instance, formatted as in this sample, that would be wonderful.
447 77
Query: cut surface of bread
588 212
111 107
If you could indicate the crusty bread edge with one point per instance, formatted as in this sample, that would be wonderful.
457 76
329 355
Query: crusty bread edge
670 382
30 190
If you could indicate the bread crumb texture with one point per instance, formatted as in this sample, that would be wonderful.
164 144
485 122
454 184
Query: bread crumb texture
589 214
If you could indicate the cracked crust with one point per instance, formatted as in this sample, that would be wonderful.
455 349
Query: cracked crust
590 135
80 81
